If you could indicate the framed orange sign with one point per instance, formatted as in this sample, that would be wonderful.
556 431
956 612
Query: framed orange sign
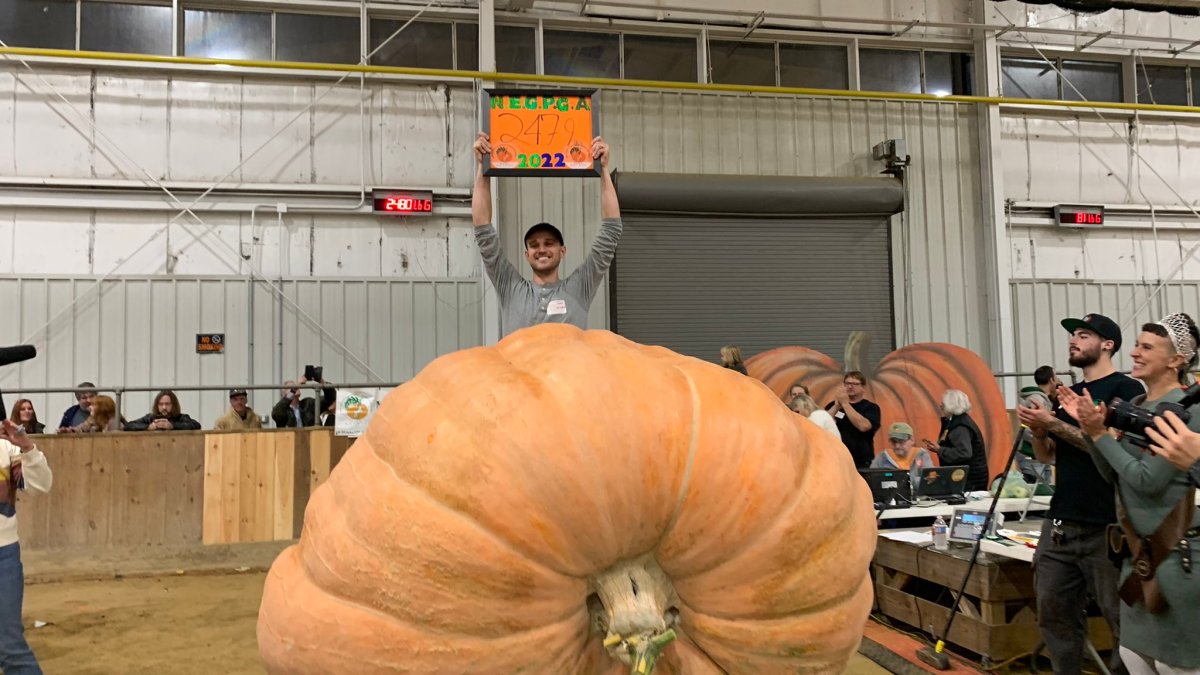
540 132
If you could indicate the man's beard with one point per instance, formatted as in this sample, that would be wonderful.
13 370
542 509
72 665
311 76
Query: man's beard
1082 359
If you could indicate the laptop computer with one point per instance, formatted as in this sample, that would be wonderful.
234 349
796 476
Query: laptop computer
888 486
944 483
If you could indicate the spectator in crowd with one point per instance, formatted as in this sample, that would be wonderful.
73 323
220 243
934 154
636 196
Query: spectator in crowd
164 415
804 405
901 454
22 467
1037 395
78 413
1160 591
293 411
328 417
731 358
858 418
546 298
102 418
1072 557
1047 382
797 388
23 415
239 417
960 441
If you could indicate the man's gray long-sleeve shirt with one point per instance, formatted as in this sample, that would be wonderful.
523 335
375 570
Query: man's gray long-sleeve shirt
524 303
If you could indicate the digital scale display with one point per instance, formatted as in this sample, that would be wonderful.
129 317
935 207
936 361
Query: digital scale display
404 202
1080 216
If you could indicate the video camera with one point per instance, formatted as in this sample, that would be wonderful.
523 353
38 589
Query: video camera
1133 421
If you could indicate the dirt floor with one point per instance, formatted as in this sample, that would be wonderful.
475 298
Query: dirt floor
172 625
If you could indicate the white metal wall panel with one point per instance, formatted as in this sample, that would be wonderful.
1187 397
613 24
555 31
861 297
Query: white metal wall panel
1040 304
1057 159
52 139
141 332
189 127
206 122
133 114
765 135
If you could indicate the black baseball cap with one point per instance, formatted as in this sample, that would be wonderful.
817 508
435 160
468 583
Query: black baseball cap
544 227
236 392
1099 324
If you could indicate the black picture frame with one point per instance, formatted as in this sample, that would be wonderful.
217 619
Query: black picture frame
485 97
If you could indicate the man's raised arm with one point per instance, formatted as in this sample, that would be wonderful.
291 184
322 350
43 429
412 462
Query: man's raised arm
503 275
481 195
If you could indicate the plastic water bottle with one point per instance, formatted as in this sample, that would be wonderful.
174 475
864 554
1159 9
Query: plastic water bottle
941 534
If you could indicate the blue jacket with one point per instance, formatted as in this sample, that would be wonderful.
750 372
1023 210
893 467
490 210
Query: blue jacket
66 420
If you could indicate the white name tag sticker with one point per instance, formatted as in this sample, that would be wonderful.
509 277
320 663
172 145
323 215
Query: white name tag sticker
556 307
840 414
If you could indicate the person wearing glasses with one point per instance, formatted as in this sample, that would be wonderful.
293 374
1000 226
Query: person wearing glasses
857 418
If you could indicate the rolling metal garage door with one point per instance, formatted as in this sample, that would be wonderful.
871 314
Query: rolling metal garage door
694 282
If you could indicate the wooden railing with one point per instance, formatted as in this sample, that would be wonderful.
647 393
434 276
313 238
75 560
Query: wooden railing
132 490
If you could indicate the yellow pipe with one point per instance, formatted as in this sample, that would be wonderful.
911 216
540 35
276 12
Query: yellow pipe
587 81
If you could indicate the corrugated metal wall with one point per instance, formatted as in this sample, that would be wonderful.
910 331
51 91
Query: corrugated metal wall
141 332
1039 305
188 127
943 263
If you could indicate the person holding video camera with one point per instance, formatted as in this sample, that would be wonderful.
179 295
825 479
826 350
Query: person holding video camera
293 411
1160 592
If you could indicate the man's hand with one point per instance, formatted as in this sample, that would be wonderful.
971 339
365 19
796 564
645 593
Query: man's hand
483 146
841 396
163 424
930 445
599 151
1089 415
1174 442
15 435
1037 419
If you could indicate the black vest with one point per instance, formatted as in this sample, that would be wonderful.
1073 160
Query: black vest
977 471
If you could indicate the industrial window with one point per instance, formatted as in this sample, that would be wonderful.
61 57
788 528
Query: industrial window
422 44
467 46
656 57
1028 78
220 34
46 24
889 70
949 73
1035 78
312 38
1164 85
584 54
732 62
817 66
113 27
1094 80
516 51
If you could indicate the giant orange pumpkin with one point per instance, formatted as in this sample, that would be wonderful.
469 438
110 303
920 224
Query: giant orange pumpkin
569 502
908 385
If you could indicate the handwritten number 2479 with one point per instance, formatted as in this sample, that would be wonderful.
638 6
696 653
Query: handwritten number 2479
543 160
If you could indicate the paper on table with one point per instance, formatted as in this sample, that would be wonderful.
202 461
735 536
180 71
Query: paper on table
910 537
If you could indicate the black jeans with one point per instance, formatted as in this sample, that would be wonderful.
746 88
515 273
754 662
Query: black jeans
1065 575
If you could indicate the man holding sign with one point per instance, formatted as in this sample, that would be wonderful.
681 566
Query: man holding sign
547 298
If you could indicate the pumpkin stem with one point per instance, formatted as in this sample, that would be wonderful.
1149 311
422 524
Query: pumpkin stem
856 350
636 612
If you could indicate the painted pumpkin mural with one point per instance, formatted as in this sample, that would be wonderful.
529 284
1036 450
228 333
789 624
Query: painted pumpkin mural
573 503
907 384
